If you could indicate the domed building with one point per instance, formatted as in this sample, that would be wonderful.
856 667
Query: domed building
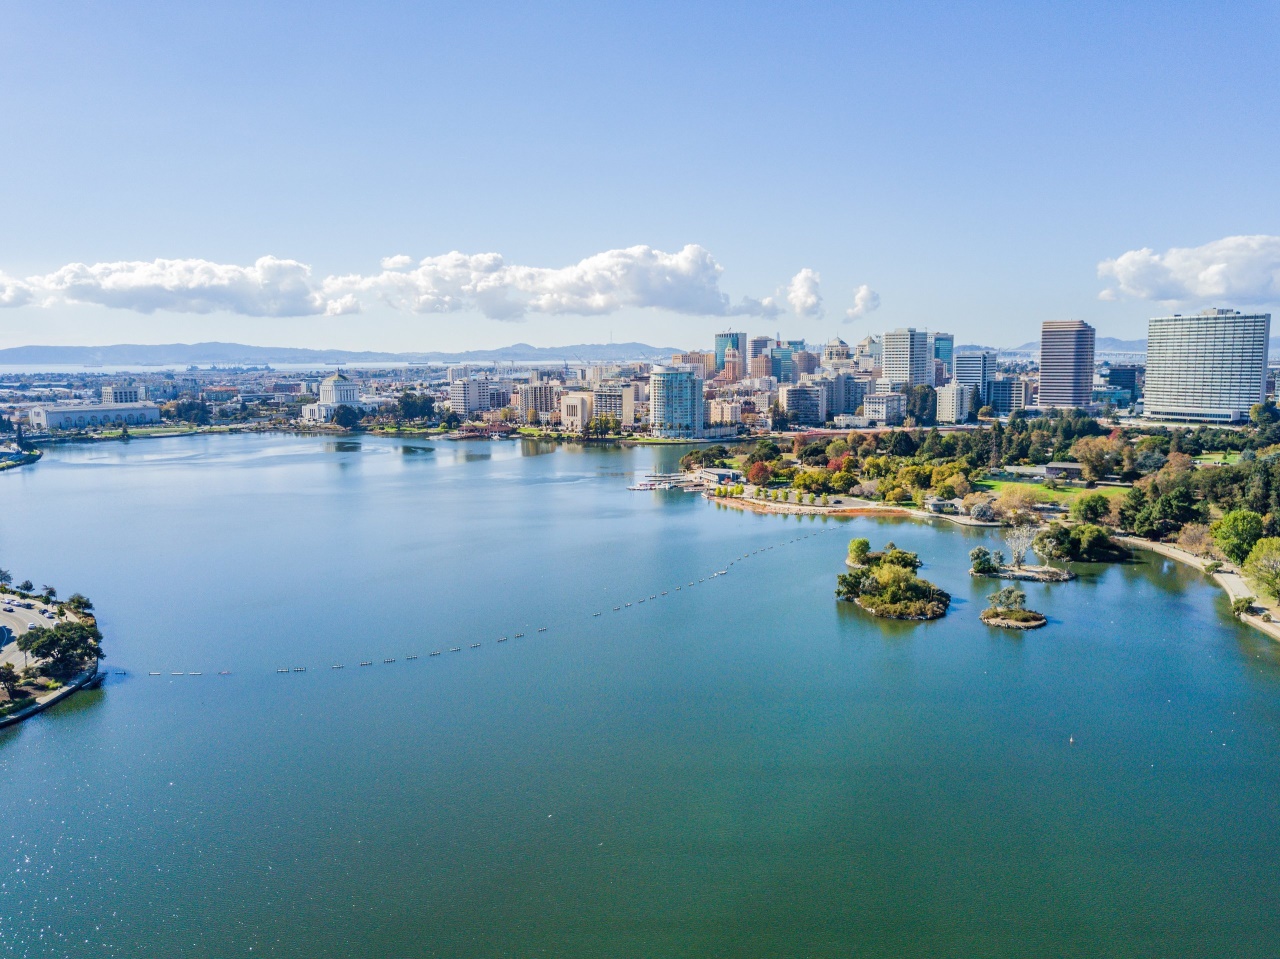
835 350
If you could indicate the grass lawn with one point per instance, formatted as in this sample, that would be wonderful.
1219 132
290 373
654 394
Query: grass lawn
1064 494
1219 458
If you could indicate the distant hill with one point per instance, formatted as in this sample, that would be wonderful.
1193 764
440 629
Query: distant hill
1102 344
232 354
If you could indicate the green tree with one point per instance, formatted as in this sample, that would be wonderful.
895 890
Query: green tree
346 417
1263 565
1236 533
1009 597
80 603
858 550
6 577
982 562
64 648
26 586
1090 509
8 679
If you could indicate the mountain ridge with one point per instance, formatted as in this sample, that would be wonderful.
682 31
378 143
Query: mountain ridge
186 354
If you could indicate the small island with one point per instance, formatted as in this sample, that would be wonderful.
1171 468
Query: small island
1008 610
885 584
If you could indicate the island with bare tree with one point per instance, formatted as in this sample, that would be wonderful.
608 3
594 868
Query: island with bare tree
1020 539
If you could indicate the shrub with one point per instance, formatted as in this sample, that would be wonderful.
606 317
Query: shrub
1241 606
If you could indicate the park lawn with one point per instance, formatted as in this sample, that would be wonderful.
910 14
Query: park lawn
1218 458
1064 494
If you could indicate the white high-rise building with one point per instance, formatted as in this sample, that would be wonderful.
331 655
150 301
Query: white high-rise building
1207 368
953 402
465 396
907 359
975 370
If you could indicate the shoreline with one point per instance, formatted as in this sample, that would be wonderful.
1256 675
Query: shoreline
1232 583
859 507
73 685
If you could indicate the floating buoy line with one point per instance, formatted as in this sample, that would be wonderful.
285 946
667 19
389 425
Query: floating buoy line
287 670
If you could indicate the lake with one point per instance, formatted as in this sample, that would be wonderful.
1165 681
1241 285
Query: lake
739 767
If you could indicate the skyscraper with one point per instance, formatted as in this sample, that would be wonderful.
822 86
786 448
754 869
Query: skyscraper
757 346
675 402
1066 363
976 370
907 361
724 341
941 347
1208 368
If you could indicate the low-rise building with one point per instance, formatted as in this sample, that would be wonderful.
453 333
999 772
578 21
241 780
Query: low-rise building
885 409
81 416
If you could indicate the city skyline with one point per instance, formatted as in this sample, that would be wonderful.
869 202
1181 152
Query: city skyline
545 177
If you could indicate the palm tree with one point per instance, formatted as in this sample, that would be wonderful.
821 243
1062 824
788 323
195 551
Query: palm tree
49 592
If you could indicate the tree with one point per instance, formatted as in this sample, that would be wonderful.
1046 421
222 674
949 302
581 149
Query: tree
64 647
1263 565
26 586
982 562
1091 508
50 594
1097 456
80 603
8 679
1019 540
1263 414
346 417
1135 501
1008 597
6 577
858 550
759 473
1236 533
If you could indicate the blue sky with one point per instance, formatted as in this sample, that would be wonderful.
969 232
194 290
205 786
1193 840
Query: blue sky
666 169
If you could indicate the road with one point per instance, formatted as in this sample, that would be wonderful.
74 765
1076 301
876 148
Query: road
16 624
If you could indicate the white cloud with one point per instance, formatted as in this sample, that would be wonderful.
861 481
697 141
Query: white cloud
685 282
865 300
804 296
14 292
1235 269
271 287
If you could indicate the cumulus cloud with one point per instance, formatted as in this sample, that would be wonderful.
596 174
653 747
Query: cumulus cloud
804 296
865 300
1239 269
270 287
14 292
686 282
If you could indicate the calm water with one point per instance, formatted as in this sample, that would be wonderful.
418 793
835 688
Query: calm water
741 768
